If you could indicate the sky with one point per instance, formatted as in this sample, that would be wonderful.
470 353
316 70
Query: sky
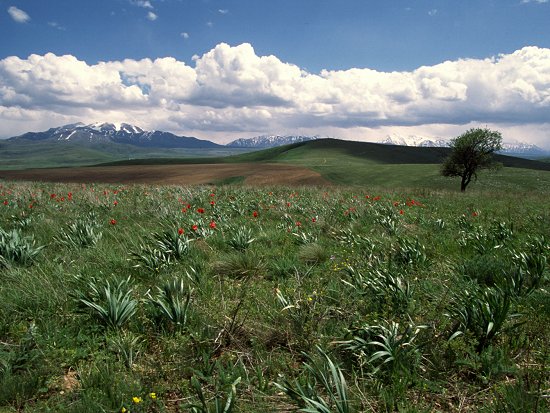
226 69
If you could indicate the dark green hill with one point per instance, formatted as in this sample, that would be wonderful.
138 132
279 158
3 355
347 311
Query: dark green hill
323 151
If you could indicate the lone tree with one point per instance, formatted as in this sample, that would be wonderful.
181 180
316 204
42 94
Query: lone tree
472 151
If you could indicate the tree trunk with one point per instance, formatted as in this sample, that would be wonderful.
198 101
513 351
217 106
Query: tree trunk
463 184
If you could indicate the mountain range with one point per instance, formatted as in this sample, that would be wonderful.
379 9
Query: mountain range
124 133
270 141
509 148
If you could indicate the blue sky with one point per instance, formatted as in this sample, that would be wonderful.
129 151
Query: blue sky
334 66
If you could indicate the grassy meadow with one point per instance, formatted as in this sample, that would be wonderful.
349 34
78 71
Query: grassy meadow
23 155
232 298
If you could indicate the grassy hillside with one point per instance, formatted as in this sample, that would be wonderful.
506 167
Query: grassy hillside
349 163
165 299
385 166
23 155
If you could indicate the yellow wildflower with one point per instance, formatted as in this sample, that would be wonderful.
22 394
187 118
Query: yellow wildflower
136 399
153 396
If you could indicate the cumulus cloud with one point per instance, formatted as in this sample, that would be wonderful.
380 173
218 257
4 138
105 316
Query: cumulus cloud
231 90
18 15
185 35
152 16
223 11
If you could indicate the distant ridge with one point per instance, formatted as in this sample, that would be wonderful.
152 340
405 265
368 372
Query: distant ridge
118 133
270 141
508 148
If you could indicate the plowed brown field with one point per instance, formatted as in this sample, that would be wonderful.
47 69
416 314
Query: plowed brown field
253 173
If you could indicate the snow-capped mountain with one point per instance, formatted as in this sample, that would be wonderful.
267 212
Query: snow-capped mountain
122 133
270 141
509 148
522 149
413 140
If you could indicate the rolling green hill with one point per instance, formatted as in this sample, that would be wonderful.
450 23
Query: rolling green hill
28 154
340 162
387 166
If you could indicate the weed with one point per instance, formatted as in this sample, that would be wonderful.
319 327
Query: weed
223 404
127 346
240 239
483 313
16 248
113 305
172 301
324 374
312 253
389 349
238 265
84 232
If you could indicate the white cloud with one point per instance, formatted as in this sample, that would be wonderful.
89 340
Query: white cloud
209 24
18 15
185 35
534 1
142 3
231 91
152 16
223 11
432 12
56 26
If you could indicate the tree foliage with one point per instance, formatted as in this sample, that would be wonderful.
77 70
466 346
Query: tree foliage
471 152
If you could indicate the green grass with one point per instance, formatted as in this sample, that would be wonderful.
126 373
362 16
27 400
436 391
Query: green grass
351 299
385 166
24 155
340 162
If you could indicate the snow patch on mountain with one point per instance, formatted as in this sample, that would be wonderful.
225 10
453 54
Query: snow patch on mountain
118 133
508 148
414 140
270 141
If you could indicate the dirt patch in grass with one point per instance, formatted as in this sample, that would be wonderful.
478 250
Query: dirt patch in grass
253 173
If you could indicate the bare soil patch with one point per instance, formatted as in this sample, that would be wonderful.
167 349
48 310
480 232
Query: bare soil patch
254 174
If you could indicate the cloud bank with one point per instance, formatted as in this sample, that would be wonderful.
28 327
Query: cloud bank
231 91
